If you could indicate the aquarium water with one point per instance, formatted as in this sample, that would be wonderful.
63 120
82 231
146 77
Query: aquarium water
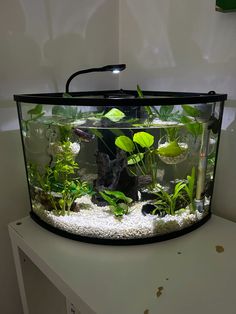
120 169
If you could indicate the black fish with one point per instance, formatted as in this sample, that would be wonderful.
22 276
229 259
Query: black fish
209 188
85 137
214 125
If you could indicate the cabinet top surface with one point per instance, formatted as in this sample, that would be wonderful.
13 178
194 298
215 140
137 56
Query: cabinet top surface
194 273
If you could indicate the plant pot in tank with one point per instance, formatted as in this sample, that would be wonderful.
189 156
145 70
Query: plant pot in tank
172 152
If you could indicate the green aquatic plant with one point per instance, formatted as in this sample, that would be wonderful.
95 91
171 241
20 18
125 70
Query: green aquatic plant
190 122
193 127
115 115
167 113
65 164
99 135
183 195
125 143
71 191
174 149
70 112
34 113
171 148
172 145
141 154
59 182
167 202
150 111
118 202
191 111
62 171
172 134
144 139
65 132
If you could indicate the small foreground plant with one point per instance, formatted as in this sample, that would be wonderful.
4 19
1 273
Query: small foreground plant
183 194
118 202
167 202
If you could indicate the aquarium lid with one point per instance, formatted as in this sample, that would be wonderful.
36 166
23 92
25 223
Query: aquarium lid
126 98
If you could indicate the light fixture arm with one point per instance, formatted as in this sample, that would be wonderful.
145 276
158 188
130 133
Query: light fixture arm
116 68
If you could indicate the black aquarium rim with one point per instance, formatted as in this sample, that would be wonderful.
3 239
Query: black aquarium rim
120 242
121 98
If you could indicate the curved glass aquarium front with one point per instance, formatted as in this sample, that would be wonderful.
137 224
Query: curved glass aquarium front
120 167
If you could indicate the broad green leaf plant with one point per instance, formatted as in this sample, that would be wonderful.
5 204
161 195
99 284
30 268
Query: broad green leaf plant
118 202
189 121
141 154
114 115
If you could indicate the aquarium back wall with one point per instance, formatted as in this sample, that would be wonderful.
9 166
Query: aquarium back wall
42 43
185 46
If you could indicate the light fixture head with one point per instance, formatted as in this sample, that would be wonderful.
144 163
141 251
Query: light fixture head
116 71
115 68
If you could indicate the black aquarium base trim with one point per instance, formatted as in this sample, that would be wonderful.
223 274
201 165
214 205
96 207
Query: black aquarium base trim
153 239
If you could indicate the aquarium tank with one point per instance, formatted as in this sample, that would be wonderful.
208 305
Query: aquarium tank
120 166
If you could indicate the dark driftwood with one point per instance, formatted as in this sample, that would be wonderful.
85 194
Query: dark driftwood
113 175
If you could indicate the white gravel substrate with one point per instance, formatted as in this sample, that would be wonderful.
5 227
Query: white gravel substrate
98 222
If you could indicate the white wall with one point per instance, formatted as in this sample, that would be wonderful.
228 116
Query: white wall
178 45
41 43
185 46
